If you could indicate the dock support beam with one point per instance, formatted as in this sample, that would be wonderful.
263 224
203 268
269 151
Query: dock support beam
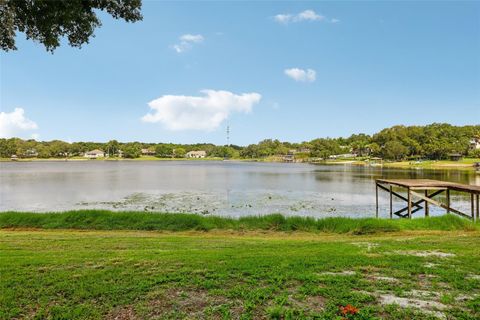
409 200
473 206
391 203
448 200
427 213
478 207
426 190
439 204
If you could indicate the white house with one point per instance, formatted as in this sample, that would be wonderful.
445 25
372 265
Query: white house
148 152
474 143
196 154
94 154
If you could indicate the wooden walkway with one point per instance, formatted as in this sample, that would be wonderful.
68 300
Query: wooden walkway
430 188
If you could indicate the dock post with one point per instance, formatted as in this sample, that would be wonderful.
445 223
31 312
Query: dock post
427 213
409 200
391 202
376 199
473 206
478 207
448 200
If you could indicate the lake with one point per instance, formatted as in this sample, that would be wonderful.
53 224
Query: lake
226 188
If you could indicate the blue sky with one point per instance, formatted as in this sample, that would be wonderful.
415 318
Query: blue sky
372 65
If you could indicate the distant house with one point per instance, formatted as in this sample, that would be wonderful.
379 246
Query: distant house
94 154
455 156
303 150
31 153
475 144
289 158
343 156
148 152
196 154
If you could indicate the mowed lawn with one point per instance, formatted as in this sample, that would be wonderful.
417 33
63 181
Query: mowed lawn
69 274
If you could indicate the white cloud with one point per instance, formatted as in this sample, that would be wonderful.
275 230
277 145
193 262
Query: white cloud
14 124
308 75
187 41
192 38
283 18
204 112
307 15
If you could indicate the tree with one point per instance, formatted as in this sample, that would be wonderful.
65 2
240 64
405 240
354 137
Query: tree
131 150
163 151
7 148
324 148
112 147
179 152
224 152
373 149
48 21
394 150
58 148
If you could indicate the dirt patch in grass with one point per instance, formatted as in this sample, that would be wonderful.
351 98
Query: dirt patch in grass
383 278
315 304
432 253
368 246
426 306
340 273
192 303
123 313
430 265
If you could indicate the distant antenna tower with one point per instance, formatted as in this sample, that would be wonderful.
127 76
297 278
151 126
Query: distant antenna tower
228 136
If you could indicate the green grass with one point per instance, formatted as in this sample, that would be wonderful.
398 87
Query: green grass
108 220
85 274
114 265
463 164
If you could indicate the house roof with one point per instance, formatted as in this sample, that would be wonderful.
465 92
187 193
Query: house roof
96 151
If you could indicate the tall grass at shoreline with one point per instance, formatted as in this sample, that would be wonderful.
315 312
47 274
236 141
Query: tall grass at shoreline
108 220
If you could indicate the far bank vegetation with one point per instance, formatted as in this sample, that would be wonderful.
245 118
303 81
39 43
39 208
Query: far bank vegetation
432 142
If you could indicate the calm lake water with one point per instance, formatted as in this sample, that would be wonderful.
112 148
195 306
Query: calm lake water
208 187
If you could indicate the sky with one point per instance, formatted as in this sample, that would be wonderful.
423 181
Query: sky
292 71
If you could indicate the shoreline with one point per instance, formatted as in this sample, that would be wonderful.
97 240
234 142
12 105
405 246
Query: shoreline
466 164
159 221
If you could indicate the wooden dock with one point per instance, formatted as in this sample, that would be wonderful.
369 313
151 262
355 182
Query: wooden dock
425 190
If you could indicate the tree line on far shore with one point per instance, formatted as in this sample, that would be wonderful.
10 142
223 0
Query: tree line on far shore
436 141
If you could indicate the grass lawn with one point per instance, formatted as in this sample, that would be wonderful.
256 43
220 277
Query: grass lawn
246 274
465 163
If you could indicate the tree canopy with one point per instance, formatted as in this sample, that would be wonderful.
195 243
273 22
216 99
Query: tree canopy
434 141
48 21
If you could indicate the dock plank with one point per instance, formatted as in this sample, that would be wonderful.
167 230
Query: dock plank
431 184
